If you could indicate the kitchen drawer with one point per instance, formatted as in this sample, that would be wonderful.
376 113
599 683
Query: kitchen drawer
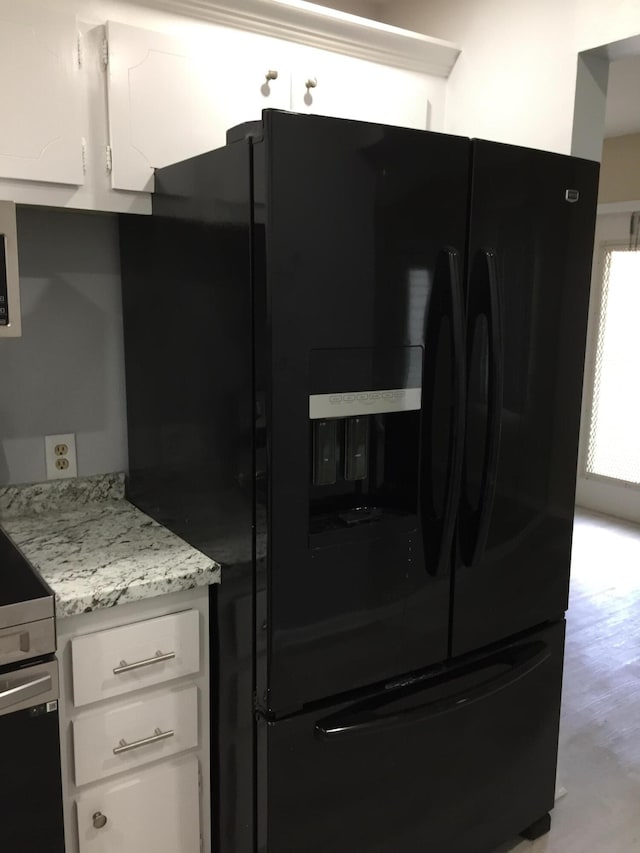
155 810
119 660
142 730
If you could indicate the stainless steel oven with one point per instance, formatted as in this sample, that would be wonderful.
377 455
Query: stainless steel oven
30 780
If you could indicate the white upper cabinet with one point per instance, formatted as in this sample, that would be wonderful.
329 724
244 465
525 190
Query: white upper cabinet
40 128
89 108
172 98
345 87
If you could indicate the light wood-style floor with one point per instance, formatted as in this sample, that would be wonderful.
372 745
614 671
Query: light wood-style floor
599 760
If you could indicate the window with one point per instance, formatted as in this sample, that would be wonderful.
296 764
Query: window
614 429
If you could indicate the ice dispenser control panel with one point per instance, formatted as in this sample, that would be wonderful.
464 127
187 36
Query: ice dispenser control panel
340 405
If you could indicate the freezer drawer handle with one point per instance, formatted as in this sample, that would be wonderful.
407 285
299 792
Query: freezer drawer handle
159 657
369 718
157 735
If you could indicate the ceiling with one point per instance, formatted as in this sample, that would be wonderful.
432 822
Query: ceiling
623 97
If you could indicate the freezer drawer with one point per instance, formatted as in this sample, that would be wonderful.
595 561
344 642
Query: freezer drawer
458 763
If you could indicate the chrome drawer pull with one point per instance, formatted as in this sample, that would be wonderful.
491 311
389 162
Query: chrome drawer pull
129 667
155 737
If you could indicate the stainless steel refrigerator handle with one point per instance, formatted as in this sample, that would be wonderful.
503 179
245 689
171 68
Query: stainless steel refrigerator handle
159 657
21 689
157 735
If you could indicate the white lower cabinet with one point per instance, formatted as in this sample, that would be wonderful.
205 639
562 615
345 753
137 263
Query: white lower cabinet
151 811
135 744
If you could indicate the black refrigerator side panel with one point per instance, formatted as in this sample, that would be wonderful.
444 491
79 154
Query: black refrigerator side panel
529 270
186 274
365 234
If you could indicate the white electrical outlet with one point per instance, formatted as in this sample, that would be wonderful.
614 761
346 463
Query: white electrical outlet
60 456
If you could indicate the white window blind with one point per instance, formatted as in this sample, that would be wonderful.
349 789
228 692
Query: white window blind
614 433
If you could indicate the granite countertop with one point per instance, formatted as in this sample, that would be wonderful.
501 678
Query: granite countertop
94 548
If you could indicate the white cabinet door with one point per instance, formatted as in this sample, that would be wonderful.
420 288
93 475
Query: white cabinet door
172 98
40 126
357 89
151 811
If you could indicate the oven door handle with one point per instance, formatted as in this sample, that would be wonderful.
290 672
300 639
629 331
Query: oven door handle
17 689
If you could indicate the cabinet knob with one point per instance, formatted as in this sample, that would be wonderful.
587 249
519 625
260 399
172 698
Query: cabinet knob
271 75
99 820
311 83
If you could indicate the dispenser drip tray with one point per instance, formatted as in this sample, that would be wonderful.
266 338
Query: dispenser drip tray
360 515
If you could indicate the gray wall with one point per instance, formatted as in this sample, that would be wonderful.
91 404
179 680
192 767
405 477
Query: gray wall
66 373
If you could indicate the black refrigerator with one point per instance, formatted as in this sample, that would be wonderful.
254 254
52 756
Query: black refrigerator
354 362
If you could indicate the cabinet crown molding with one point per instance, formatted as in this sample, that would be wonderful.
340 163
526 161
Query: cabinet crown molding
328 29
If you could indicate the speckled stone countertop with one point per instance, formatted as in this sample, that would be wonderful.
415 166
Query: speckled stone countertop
94 548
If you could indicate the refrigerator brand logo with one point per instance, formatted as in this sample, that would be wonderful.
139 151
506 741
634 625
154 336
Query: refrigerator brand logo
351 403
571 195
369 397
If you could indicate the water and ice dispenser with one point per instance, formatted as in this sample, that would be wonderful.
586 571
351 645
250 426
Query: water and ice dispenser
364 417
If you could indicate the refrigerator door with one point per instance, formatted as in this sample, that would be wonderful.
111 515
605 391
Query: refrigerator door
365 228
457 764
529 264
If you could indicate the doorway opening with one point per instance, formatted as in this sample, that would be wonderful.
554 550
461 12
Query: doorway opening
609 459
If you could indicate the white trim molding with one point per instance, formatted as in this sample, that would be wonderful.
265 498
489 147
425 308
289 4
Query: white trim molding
328 29
618 207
